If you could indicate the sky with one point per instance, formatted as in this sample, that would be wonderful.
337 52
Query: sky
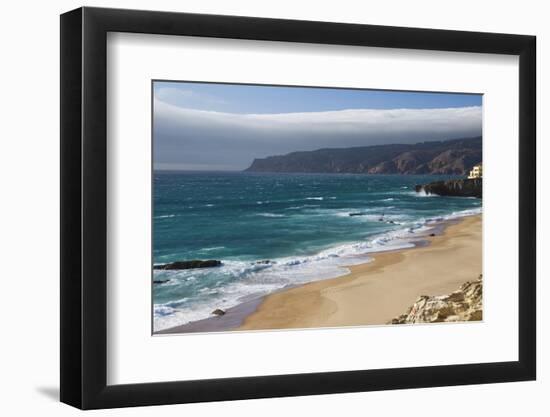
219 127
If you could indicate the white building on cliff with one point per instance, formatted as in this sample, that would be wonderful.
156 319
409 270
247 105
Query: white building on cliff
476 172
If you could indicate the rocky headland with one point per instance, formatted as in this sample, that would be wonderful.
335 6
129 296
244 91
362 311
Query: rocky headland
450 157
465 304
454 188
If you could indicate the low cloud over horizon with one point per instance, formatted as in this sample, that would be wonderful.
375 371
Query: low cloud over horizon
191 139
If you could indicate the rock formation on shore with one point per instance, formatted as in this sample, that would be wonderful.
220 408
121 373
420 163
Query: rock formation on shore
454 188
450 157
465 304
196 263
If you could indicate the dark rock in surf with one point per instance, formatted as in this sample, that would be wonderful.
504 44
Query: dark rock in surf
160 281
218 312
188 265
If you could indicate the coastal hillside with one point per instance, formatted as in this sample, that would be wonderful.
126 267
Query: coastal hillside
452 157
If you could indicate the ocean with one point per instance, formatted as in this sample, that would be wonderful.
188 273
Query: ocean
272 231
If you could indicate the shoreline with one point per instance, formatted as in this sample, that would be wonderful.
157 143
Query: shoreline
341 301
360 298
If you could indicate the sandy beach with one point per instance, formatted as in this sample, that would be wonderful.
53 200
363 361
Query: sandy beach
375 292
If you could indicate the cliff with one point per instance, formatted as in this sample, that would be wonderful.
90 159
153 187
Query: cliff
452 157
454 188
465 304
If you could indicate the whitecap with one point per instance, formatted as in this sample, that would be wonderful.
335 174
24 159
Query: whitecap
270 215
210 249
165 216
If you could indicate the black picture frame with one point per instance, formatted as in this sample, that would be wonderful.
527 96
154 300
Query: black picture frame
84 207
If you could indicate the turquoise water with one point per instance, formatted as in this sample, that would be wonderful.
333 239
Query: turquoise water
300 223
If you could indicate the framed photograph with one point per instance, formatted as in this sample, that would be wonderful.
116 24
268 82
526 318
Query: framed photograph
257 208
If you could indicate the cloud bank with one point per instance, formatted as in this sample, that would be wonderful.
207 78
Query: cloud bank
198 139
